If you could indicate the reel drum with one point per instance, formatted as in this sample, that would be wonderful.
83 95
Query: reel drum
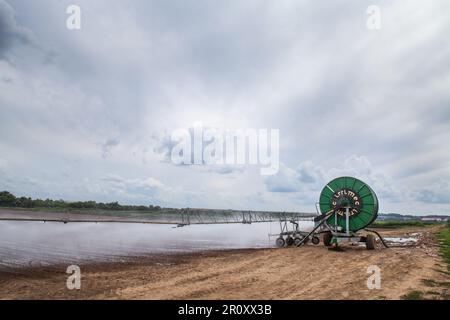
353 194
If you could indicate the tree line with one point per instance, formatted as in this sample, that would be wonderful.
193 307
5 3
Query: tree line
7 199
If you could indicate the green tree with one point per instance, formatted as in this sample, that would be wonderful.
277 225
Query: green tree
7 199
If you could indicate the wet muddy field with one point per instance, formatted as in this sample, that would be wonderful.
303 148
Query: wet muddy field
38 244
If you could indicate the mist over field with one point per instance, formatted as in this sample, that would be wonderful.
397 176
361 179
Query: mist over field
35 244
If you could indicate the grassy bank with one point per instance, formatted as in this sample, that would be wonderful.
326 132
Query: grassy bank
437 289
444 239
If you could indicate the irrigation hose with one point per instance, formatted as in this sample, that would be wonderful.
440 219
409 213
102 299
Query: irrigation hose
379 236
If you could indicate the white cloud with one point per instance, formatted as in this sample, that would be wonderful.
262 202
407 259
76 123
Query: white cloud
308 179
361 168
148 186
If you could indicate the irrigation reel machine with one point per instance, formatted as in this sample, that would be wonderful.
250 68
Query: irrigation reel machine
346 207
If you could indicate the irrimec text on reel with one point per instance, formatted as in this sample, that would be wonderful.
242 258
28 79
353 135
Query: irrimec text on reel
346 206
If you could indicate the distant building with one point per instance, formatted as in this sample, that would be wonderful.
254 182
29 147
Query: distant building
435 218
400 217
396 217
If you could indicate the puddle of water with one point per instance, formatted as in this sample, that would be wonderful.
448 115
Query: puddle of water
43 244
402 240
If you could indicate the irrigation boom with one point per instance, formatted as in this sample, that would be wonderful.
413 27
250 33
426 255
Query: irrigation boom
346 207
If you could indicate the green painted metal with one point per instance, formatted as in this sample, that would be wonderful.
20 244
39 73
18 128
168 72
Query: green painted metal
352 193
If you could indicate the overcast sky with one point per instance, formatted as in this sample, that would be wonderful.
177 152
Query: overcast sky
87 114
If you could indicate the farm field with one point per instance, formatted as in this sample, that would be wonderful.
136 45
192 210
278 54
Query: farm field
414 271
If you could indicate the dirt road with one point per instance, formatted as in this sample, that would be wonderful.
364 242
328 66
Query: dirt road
309 272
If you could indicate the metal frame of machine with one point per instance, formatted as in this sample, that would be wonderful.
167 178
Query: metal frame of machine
351 206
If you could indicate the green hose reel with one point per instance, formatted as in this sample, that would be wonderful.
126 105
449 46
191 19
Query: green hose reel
347 193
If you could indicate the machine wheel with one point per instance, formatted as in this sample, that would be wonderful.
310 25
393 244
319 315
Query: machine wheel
280 242
315 240
297 241
370 242
327 237
289 241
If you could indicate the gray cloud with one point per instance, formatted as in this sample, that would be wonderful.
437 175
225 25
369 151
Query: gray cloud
436 193
306 177
136 186
227 169
108 146
285 181
164 145
10 32
3 166
431 196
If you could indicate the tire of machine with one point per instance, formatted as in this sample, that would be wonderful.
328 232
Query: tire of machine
289 241
297 241
315 240
280 242
327 237
370 242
